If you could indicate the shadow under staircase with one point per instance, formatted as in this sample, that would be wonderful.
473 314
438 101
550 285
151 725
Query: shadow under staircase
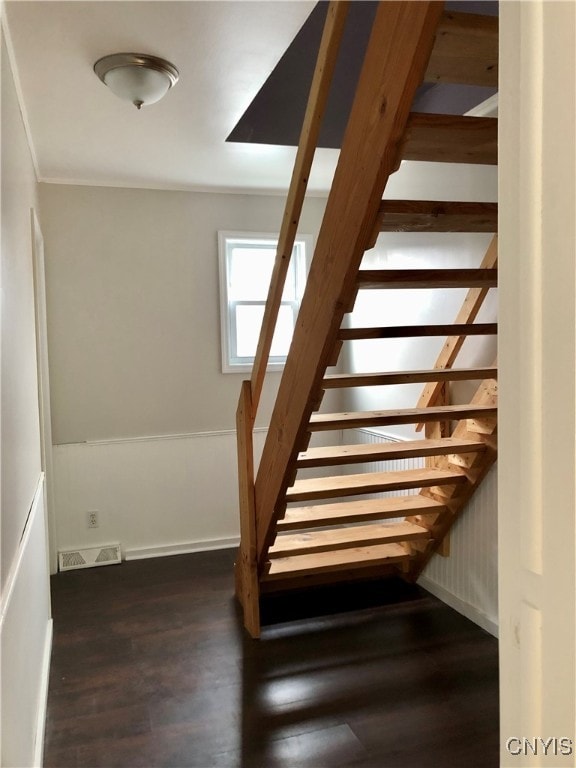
297 531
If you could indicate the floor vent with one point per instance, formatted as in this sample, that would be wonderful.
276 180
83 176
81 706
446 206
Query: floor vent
89 558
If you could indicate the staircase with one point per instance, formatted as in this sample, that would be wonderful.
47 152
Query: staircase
297 531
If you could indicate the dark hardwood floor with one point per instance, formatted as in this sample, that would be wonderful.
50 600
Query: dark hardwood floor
150 667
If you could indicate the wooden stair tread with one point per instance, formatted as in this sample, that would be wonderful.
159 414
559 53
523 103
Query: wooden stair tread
433 216
354 419
465 50
426 278
372 482
325 456
342 559
337 380
451 139
292 544
410 331
363 510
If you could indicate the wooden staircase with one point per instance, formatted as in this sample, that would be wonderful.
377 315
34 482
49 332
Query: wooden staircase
297 531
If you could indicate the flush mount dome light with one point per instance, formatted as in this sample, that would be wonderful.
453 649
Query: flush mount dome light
137 77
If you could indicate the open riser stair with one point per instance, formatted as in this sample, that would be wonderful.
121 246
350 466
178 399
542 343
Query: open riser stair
313 514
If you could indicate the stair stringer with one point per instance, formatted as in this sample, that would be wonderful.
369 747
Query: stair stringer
455 498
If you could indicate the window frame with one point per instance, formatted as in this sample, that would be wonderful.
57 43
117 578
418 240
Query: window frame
231 362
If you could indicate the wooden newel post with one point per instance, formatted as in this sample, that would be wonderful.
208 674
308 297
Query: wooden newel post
247 590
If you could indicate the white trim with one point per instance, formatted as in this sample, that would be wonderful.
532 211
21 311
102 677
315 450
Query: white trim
154 438
6 596
19 92
39 272
184 548
470 611
43 697
167 187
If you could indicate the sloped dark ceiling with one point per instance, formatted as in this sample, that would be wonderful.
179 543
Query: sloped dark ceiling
275 115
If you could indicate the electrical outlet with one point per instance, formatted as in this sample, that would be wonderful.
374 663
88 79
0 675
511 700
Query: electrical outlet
92 519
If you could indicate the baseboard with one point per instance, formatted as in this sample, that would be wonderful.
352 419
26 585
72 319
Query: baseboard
184 548
43 698
465 609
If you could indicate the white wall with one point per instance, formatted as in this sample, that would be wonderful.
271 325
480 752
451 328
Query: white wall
142 415
537 473
25 626
20 422
133 308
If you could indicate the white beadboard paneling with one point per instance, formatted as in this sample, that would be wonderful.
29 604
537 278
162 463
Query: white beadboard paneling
467 579
471 571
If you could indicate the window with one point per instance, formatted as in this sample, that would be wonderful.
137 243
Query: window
246 263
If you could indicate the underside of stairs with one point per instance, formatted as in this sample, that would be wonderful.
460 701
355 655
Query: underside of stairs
345 522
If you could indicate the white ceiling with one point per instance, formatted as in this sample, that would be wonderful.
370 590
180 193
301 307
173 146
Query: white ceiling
82 133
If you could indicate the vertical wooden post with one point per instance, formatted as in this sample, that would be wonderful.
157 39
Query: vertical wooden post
247 589
317 100
434 430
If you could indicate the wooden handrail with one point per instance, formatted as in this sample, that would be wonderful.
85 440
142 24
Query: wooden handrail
319 90
247 588
453 344
396 59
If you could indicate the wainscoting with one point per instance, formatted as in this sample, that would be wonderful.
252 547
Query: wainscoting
25 638
178 494
156 496
468 579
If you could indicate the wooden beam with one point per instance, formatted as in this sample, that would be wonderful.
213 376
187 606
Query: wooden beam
377 279
465 51
340 455
338 380
411 331
451 139
371 482
364 510
372 572
322 562
294 544
319 90
359 419
395 61
433 216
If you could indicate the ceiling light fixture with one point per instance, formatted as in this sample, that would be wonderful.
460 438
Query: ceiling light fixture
138 77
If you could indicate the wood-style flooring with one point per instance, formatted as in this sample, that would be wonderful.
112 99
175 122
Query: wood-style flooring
150 667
